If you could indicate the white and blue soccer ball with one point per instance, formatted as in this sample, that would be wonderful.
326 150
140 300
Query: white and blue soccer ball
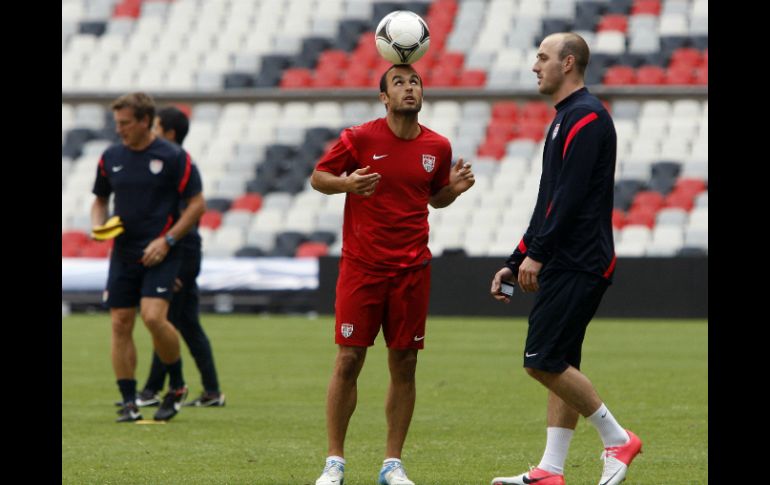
402 37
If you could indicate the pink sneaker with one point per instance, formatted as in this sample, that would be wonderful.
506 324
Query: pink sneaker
618 458
535 475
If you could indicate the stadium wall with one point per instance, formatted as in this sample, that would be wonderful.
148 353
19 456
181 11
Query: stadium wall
643 288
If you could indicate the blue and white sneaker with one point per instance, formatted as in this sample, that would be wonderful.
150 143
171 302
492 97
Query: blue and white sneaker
393 473
333 474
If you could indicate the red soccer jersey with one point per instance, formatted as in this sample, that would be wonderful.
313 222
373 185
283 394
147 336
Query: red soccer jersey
388 231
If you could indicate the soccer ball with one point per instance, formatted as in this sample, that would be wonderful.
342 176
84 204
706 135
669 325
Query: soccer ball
402 37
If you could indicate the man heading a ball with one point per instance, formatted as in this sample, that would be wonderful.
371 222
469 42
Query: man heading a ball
390 169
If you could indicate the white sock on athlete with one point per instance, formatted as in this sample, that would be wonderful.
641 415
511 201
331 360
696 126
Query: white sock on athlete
611 432
556 448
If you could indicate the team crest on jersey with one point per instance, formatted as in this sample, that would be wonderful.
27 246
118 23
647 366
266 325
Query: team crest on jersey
428 162
347 329
555 131
156 166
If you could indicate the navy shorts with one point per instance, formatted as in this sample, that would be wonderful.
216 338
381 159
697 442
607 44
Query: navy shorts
129 282
564 305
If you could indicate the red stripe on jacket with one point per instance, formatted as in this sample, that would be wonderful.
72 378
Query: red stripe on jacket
186 176
612 266
578 126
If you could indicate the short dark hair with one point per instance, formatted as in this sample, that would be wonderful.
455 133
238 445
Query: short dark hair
573 44
142 104
173 118
384 77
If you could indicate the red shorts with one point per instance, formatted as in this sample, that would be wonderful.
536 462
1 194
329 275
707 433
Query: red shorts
397 303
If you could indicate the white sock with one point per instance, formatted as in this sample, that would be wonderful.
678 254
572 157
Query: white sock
337 458
556 447
388 460
611 432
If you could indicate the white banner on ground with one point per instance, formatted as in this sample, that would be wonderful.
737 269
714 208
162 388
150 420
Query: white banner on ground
234 274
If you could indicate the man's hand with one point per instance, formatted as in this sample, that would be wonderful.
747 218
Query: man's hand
361 182
528 271
460 177
503 274
178 285
155 252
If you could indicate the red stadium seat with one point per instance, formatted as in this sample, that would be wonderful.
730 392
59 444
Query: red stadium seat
680 75
70 249
539 110
327 78
618 218
363 57
128 8
97 249
355 79
650 75
648 198
701 76
454 60
642 216
431 59
686 56
443 76
493 148
366 39
681 200
531 130
250 202
211 219
333 59
500 130
505 111
690 186
312 249
619 76
651 7
296 78
77 238
613 22
473 78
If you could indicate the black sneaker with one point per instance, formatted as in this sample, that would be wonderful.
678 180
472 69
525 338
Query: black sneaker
208 399
128 413
144 399
172 403
148 397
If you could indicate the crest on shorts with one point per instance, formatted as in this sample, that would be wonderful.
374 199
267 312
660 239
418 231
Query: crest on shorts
347 329
156 166
555 131
428 162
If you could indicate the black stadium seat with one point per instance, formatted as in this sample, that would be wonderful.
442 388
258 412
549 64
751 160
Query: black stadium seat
249 252
664 175
239 80
625 190
92 27
220 204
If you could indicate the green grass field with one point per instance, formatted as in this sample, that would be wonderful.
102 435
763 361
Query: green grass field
478 415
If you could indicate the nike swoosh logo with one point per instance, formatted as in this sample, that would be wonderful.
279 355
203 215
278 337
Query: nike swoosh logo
609 479
605 414
533 480
117 169
161 289
417 339
527 354
377 157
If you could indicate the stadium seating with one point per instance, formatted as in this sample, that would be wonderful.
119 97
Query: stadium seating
255 157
